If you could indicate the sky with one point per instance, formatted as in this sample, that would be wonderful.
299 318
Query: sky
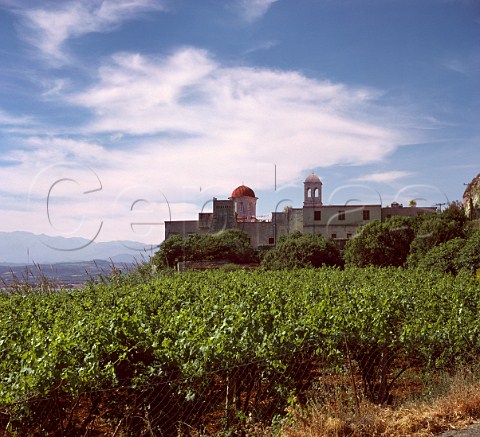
116 115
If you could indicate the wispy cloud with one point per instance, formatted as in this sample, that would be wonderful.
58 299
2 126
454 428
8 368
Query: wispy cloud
252 10
266 45
386 177
468 65
456 66
55 87
7 119
50 28
199 121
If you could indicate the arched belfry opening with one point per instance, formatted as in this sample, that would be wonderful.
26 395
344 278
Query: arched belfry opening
312 191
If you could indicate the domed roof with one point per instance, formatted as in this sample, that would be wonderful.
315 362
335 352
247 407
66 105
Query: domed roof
313 178
242 191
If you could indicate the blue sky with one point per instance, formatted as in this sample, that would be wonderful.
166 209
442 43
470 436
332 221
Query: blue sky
117 115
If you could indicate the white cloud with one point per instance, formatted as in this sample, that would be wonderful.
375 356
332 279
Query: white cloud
67 187
263 46
7 119
207 122
189 128
387 177
49 29
252 10
55 87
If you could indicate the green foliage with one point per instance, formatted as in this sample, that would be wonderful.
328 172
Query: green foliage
443 258
248 328
302 250
456 213
381 244
232 245
435 229
429 241
454 255
469 255
170 251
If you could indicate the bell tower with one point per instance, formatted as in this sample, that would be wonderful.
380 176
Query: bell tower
312 191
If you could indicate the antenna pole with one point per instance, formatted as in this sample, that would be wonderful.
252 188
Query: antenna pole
275 177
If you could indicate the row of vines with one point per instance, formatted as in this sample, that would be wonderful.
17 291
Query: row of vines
215 347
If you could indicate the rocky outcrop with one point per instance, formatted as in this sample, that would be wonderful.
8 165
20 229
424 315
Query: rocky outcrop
471 198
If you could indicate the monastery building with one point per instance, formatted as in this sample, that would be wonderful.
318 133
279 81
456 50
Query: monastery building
338 222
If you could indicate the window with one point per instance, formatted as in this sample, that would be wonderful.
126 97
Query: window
341 215
366 214
334 236
349 236
271 240
317 215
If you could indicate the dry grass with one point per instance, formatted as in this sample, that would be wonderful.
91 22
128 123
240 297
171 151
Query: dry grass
457 407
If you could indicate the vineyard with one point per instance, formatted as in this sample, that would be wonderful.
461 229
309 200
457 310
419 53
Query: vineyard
214 351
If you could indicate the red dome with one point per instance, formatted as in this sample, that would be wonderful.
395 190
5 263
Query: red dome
242 191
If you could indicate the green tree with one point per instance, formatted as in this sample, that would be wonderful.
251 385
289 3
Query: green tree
454 255
435 229
302 250
170 251
469 255
381 244
232 245
443 258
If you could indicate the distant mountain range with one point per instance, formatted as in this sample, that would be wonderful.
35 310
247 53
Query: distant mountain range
66 275
26 248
